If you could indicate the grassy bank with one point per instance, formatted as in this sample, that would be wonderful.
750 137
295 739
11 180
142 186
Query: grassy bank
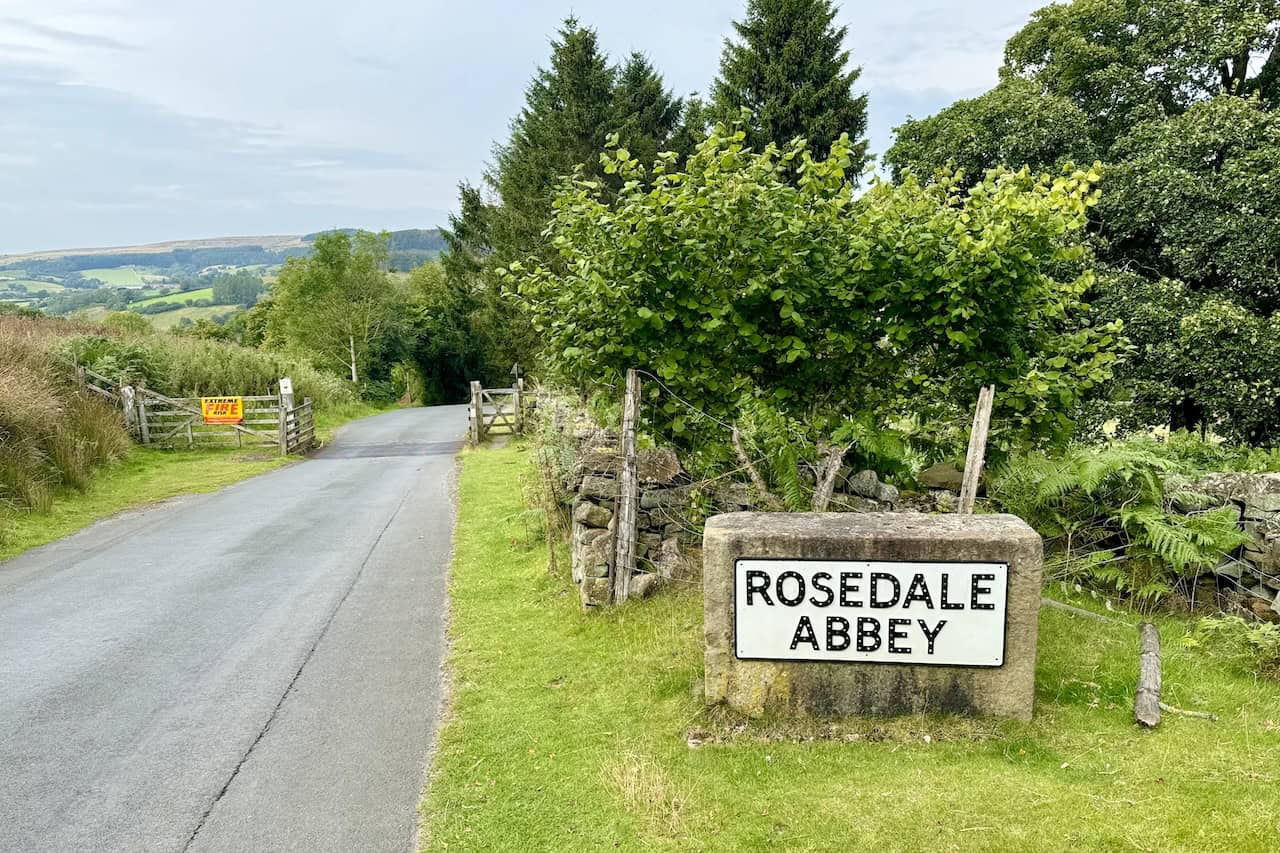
572 731
148 475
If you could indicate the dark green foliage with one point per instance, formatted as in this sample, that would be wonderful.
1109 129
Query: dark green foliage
790 69
1179 99
460 334
1197 198
569 110
1124 62
237 288
1106 511
1196 360
1012 125
645 113
695 123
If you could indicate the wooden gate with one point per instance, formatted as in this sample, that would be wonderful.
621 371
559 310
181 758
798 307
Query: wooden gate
156 420
495 409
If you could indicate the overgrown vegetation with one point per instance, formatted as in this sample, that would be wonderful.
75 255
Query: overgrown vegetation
1108 518
52 436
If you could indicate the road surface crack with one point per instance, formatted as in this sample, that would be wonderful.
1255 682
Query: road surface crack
324 630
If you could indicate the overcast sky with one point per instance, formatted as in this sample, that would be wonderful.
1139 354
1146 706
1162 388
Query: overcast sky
132 121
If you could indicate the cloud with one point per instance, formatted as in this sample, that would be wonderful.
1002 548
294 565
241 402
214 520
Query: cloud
57 35
298 114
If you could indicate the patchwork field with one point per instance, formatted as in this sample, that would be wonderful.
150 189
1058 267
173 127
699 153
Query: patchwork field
171 319
179 298
117 276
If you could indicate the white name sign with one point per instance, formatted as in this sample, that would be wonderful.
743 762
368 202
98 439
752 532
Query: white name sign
879 612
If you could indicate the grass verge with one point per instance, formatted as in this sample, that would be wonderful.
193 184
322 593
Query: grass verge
147 475
150 475
573 731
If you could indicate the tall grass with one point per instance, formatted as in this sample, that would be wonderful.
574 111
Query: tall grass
190 367
51 434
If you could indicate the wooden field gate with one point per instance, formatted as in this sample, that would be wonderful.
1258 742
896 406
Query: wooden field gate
270 420
495 409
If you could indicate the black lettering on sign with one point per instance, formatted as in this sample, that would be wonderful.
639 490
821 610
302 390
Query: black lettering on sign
804 634
868 629
949 605
822 588
931 635
837 630
976 590
918 591
758 581
876 601
791 601
895 634
848 589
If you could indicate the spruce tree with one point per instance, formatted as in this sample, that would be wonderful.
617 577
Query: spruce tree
568 113
645 113
791 70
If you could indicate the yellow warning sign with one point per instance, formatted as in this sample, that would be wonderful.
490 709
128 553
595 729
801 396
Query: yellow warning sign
222 410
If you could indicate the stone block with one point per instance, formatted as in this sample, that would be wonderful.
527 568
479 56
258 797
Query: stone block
589 514
867 485
942 476
658 466
735 496
664 498
862 686
597 486
643 585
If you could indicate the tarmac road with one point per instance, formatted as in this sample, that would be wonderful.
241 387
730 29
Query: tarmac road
255 669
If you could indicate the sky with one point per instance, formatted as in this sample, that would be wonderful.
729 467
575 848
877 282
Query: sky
138 121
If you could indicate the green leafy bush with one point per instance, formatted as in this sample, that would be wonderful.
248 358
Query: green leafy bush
759 276
1252 646
1106 511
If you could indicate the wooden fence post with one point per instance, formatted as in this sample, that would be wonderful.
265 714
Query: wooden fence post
624 562
519 404
130 406
977 450
144 431
477 413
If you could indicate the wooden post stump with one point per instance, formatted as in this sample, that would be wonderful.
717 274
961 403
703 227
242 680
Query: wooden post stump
977 450
1146 699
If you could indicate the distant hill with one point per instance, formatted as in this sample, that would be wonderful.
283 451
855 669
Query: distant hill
408 249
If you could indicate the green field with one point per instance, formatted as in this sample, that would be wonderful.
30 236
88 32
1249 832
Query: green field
179 298
170 319
580 731
117 276
31 285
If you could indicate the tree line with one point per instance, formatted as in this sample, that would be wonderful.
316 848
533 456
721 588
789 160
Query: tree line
1175 100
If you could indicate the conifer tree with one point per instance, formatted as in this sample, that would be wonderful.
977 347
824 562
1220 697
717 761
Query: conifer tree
645 113
791 70
568 113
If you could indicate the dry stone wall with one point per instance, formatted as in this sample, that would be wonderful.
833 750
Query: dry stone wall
1256 499
662 524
